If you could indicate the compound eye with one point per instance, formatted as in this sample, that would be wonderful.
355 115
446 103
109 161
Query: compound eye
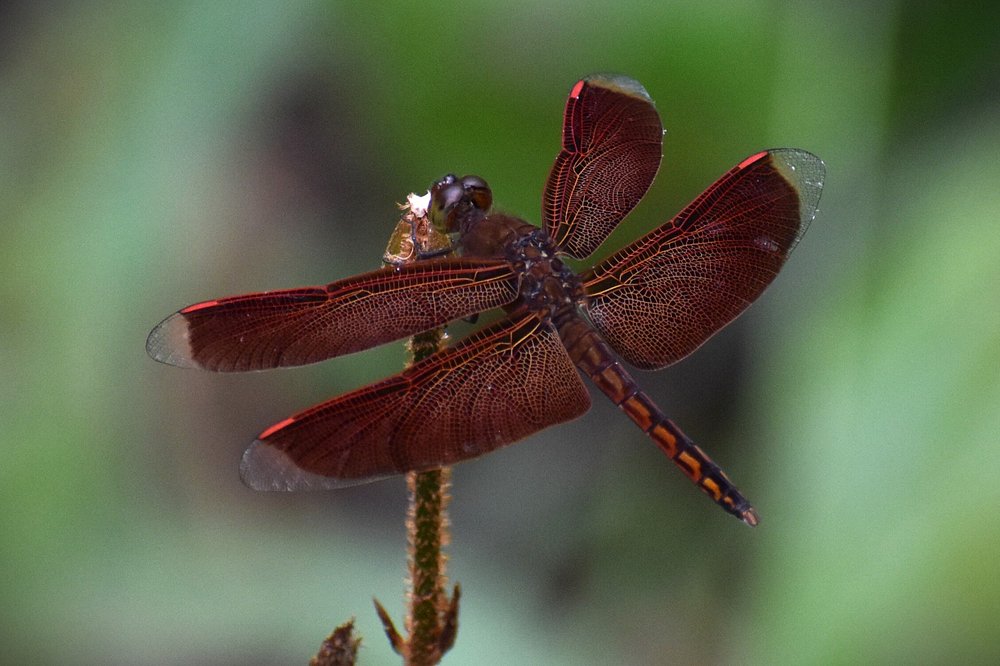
478 192
446 194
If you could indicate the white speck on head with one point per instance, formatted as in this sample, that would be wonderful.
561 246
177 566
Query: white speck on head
418 204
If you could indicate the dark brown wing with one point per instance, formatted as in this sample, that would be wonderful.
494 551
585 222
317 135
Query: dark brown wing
494 388
612 143
660 298
298 326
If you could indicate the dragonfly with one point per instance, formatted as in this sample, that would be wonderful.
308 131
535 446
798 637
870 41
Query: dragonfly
647 306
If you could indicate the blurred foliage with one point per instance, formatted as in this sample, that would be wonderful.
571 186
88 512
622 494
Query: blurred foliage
153 155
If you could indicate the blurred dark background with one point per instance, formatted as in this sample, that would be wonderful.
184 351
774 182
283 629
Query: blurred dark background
152 156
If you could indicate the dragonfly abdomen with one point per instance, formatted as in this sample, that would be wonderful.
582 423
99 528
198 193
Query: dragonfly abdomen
595 358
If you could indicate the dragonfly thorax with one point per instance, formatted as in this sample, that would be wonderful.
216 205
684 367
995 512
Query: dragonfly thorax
547 284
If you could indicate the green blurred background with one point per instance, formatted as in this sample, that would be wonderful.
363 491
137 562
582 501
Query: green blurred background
155 155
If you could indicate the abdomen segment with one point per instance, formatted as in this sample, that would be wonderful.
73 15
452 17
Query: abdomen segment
595 359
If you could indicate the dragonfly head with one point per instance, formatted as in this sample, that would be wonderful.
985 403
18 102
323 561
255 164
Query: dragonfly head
456 202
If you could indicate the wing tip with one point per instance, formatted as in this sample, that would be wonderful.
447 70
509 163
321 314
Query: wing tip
617 82
267 468
806 173
794 158
169 342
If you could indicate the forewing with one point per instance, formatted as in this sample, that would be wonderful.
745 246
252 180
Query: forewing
300 326
494 388
660 298
612 143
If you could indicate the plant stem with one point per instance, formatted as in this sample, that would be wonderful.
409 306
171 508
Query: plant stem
427 532
432 618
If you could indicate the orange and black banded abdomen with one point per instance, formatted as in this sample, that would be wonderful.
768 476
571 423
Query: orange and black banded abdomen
596 359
